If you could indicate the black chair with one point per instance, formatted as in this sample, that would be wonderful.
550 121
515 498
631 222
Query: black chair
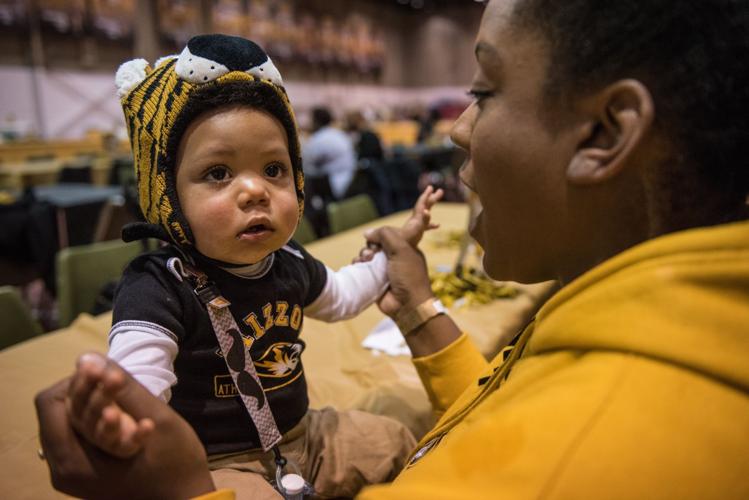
382 189
75 175
113 216
122 172
402 175
317 196
371 180
28 242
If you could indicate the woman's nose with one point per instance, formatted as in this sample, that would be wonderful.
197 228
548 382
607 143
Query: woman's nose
463 126
253 190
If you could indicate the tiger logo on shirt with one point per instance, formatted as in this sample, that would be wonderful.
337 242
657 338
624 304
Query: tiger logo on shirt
277 367
280 360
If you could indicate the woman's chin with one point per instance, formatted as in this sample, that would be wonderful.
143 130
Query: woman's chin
506 270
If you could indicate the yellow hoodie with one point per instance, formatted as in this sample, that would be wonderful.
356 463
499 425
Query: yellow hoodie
633 383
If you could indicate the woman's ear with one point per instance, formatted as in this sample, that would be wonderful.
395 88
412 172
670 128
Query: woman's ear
619 117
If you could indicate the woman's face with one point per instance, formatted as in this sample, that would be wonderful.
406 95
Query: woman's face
517 155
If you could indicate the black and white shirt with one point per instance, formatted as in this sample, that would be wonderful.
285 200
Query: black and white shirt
163 336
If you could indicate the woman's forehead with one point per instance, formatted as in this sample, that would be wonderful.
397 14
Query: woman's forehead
498 34
497 16
505 48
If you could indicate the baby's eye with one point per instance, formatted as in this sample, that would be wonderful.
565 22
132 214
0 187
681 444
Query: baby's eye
217 174
274 170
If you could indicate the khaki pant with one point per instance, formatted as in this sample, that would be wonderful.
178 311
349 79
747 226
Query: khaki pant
338 452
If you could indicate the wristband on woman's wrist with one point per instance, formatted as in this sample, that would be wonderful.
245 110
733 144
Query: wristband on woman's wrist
409 319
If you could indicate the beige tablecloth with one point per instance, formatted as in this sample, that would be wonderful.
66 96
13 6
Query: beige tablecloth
340 372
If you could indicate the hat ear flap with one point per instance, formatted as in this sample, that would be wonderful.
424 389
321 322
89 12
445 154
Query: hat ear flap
129 75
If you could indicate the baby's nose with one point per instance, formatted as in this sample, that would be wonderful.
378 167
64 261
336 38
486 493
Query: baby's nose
252 190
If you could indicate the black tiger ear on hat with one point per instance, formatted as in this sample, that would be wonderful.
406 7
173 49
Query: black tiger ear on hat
130 74
208 57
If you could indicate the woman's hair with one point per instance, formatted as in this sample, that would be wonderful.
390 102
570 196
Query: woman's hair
692 55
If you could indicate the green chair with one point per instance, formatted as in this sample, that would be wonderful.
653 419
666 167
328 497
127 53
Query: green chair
350 213
304 232
17 324
83 270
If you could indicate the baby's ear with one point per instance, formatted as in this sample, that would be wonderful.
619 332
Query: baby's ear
130 74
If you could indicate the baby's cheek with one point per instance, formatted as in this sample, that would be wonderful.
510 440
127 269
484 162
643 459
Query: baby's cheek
291 212
213 211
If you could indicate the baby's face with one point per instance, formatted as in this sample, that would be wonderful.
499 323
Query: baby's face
236 185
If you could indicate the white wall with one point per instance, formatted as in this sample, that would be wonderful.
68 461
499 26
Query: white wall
70 102
58 103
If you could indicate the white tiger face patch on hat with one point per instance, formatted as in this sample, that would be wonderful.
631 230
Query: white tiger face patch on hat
206 58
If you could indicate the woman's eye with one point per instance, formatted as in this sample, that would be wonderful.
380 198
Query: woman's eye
479 95
273 170
217 174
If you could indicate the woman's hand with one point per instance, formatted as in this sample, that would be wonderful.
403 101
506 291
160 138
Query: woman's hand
409 287
172 463
406 268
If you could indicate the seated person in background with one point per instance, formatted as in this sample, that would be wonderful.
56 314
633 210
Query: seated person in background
607 146
370 178
366 141
427 123
328 151
221 180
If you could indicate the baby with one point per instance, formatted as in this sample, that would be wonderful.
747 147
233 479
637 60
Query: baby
211 322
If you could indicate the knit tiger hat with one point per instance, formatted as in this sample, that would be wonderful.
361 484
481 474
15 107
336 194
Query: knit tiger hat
160 102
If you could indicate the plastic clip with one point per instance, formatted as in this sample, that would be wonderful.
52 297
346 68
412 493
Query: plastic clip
206 293
291 485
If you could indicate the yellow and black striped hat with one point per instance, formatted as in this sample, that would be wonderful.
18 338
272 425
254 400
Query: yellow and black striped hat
160 101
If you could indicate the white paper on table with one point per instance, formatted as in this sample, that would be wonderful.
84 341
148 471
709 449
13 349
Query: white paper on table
385 337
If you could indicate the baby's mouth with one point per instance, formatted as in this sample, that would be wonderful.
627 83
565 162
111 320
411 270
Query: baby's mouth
255 229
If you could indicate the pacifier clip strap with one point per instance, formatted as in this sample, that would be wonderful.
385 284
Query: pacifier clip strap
236 351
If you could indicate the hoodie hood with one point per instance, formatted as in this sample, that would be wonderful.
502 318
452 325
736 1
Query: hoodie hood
682 299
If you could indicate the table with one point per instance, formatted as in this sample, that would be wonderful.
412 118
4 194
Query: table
340 372
19 151
18 175
74 194
67 197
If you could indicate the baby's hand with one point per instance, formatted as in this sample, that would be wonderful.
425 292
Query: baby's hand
420 219
413 229
95 415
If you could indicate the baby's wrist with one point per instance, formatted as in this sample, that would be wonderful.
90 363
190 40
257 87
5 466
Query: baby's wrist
412 235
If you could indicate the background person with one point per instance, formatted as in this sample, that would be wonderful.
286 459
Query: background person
328 151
